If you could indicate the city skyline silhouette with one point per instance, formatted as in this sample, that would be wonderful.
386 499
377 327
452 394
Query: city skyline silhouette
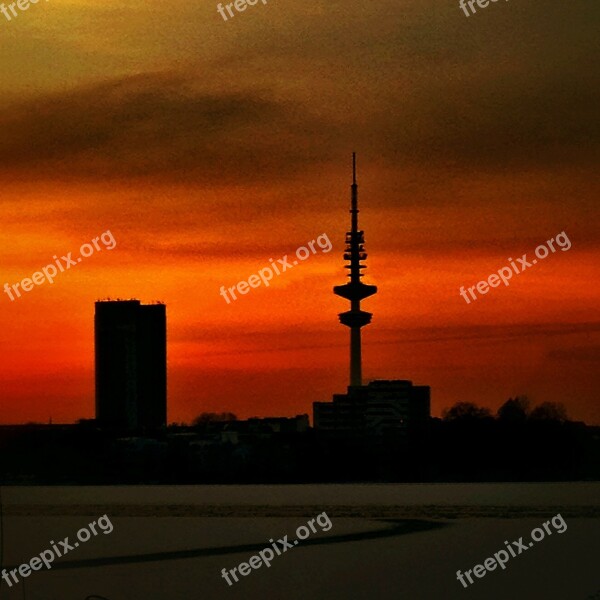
403 352
317 283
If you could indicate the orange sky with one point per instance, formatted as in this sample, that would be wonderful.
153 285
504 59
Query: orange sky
207 148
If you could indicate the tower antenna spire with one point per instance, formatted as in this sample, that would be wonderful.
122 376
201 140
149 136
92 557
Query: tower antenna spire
355 290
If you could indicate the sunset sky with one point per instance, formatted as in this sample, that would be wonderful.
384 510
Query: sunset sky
208 147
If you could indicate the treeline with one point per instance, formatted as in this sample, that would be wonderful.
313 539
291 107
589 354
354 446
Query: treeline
518 443
514 410
469 443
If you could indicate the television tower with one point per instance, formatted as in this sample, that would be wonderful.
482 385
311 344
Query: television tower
355 290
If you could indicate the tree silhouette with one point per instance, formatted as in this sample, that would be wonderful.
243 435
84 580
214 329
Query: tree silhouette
549 411
466 411
514 410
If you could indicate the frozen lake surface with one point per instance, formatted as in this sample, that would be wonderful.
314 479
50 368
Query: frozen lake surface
367 555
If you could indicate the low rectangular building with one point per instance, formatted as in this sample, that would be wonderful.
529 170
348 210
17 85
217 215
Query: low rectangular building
384 407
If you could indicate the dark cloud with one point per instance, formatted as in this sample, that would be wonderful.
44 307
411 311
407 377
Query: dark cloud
512 88
501 124
158 125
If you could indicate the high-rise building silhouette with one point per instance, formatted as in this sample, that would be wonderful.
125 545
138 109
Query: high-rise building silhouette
131 364
381 407
355 290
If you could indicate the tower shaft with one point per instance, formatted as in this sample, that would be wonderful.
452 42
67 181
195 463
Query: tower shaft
355 356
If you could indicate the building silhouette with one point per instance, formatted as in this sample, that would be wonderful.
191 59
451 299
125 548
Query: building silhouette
381 408
131 364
